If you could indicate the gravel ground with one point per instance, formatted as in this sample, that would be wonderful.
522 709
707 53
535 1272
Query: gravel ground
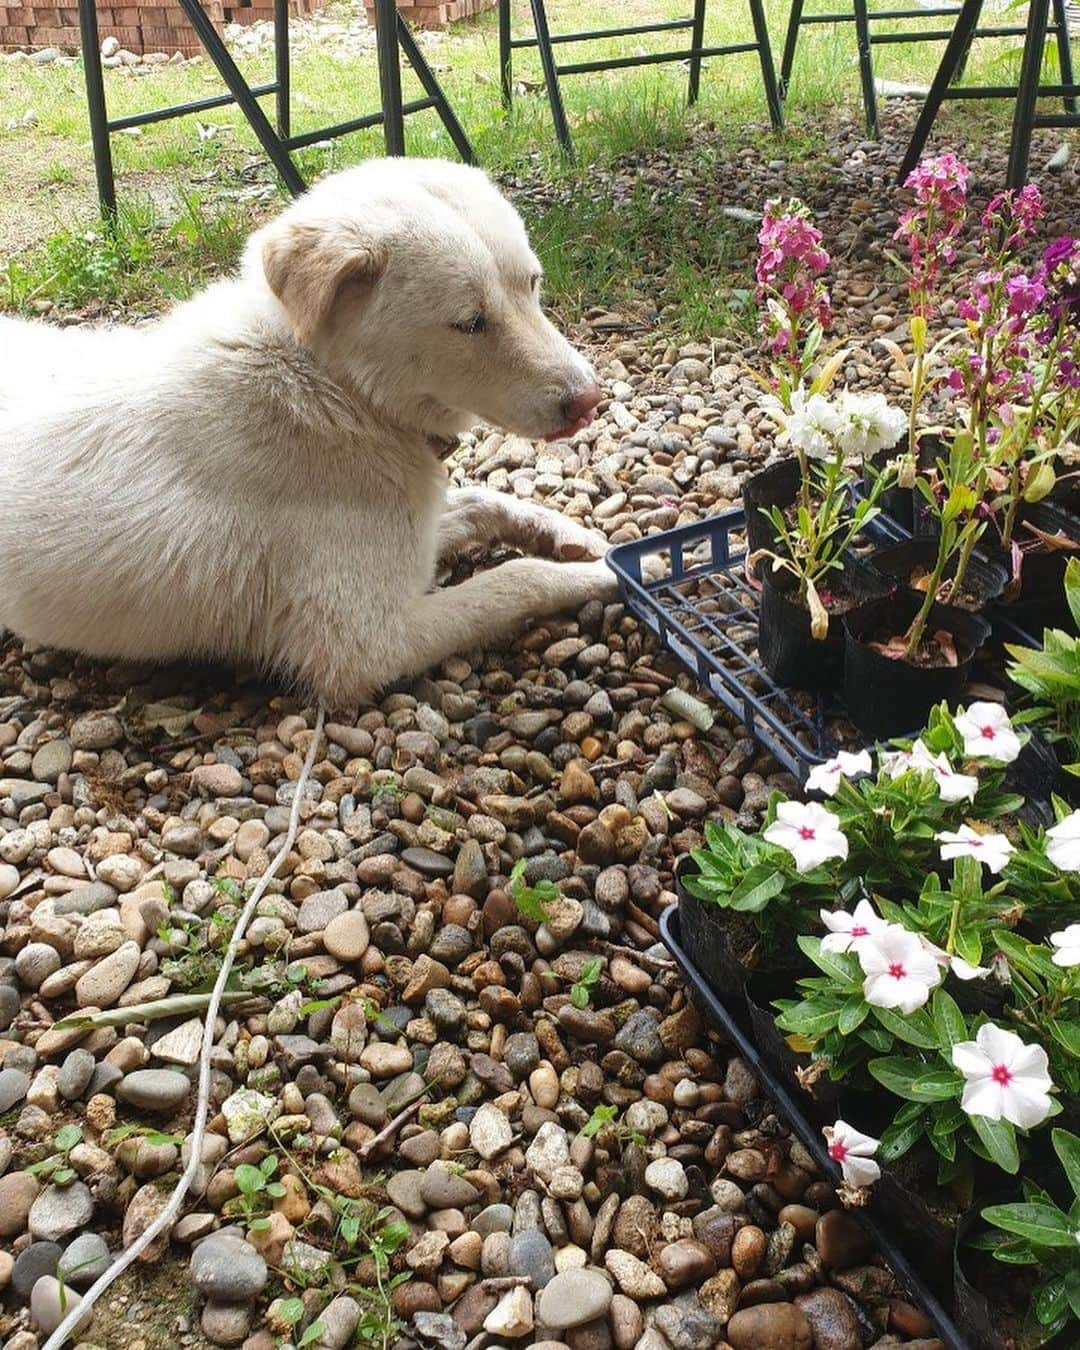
390 958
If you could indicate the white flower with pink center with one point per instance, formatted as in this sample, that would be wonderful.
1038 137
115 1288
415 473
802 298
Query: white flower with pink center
854 1152
900 970
1004 1078
1067 942
1063 843
994 850
988 733
953 786
809 832
826 778
847 931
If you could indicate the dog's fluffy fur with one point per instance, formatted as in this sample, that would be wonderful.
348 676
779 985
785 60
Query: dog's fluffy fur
254 477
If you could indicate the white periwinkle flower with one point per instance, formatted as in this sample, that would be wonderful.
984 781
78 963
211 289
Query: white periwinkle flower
1067 943
992 849
953 786
868 423
1063 843
1004 1078
854 1152
812 424
809 832
847 931
899 970
988 733
826 777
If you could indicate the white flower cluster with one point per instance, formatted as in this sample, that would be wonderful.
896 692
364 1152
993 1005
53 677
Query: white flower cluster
1004 1078
859 425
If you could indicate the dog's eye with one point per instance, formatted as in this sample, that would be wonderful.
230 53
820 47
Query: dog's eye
477 324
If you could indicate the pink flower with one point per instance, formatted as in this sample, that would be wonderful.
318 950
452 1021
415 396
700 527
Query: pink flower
809 832
854 1152
994 850
1004 1078
988 733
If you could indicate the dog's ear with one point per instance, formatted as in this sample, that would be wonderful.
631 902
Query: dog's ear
307 264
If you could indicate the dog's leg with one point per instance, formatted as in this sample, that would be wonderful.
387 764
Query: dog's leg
479 516
422 632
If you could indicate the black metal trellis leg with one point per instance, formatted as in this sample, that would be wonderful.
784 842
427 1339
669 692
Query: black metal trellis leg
95 101
245 99
281 66
386 41
955 50
423 72
768 70
551 78
787 60
697 41
866 69
1028 92
506 55
1065 61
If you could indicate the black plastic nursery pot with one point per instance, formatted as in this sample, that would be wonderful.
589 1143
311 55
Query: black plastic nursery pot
711 934
897 502
983 580
778 485
917 1282
1041 602
788 650
886 697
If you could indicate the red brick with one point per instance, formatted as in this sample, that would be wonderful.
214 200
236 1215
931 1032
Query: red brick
65 38
15 36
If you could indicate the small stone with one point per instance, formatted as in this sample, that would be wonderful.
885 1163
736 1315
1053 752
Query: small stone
548 1151
103 983
319 909
75 1073
96 731
832 1319
634 1277
573 1298
346 936
217 780
225 1323
18 1191
748 1251
531 1255
667 1177
247 1113
13 1087
227 1269
160 1090
339 1319
841 1240
84 1260
40 1258
512 1316
770 1326
50 1303
443 1189
60 1210
685 1262
490 1132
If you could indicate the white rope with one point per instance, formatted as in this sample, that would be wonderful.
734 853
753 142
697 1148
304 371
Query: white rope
168 1214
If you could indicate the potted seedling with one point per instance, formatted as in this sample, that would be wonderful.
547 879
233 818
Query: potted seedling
809 578
908 652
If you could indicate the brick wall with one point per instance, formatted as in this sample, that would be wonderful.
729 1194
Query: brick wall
139 26
437 13
142 26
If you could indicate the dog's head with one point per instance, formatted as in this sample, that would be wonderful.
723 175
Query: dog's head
413 282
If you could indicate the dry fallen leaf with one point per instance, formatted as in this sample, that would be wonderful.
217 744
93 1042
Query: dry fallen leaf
947 647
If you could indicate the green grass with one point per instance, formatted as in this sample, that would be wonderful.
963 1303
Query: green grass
188 199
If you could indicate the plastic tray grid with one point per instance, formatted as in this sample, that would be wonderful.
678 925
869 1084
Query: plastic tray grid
703 610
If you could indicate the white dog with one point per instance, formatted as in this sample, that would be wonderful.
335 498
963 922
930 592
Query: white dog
257 476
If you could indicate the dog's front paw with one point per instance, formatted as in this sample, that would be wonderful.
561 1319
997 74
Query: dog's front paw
573 542
601 582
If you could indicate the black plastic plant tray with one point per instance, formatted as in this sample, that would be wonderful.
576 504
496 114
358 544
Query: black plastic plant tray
704 611
723 1021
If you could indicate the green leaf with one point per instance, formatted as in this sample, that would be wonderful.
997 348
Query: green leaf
1072 589
877 1038
949 1021
1072 1289
290 1311
760 885
601 1116
67 1136
937 1085
898 1138
313 1334
1067 1147
1041 1225
579 996
248 1178
998 1137
896 1073
916 1028
63 1175
852 1015
1067 1035
1050 1300
837 965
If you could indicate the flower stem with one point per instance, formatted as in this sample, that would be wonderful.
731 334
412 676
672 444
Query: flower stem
918 624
